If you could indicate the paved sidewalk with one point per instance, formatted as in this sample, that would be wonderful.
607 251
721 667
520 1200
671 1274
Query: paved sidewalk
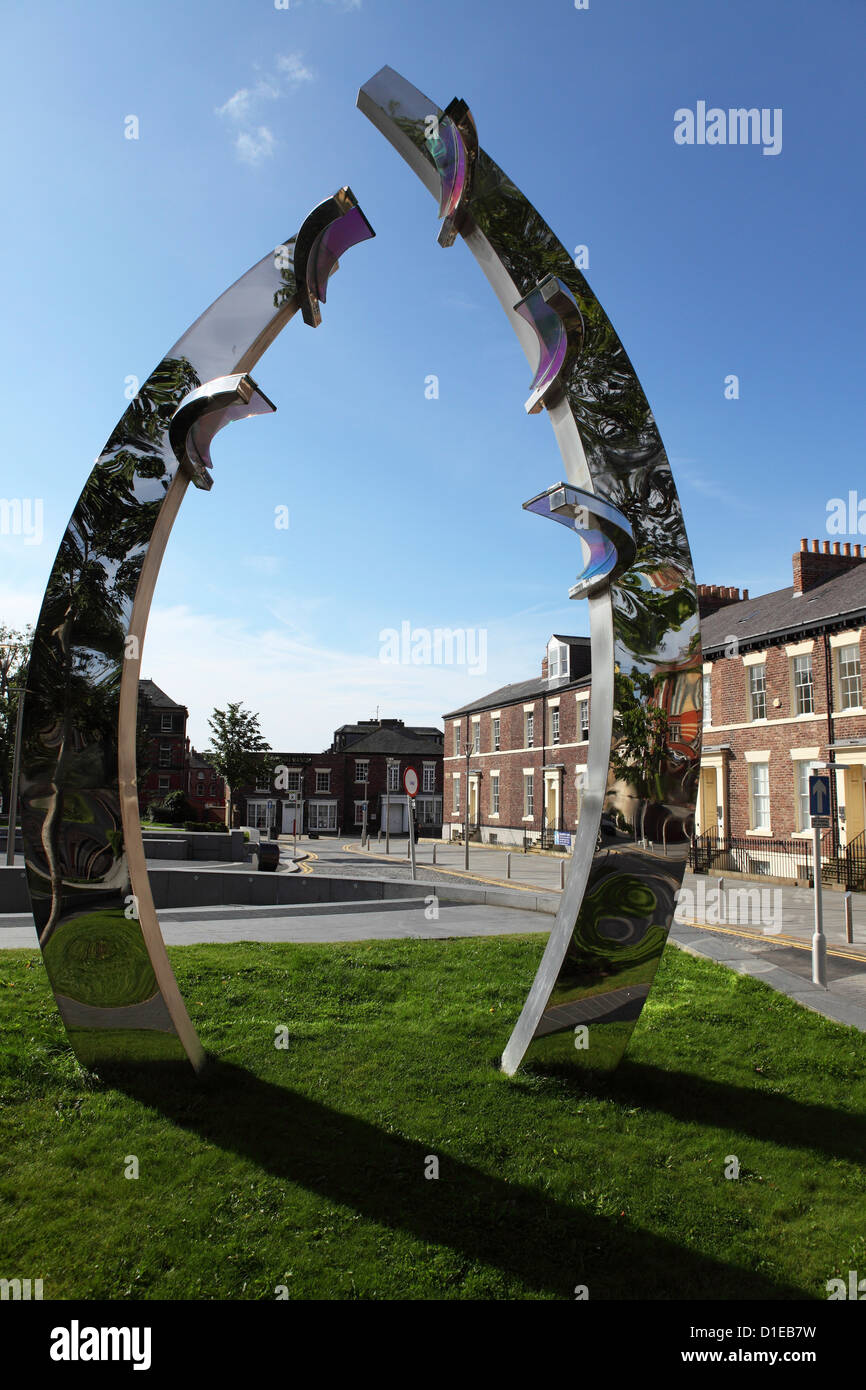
753 905
304 922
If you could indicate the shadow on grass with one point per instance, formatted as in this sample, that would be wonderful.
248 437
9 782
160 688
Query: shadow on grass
549 1246
762 1114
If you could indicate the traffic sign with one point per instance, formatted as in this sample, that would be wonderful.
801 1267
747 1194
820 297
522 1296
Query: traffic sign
410 781
819 793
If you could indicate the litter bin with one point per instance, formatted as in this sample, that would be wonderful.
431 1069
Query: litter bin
266 855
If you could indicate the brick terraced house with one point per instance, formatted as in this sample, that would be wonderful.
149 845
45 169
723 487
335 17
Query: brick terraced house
325 792
519 754
783 695
162 744
205 789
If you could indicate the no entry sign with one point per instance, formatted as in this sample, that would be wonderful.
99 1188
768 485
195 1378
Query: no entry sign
410 781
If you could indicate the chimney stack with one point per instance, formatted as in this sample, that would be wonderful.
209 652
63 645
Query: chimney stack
712 597
813 567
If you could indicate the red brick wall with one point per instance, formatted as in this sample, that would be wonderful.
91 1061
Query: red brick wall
781 733
511 760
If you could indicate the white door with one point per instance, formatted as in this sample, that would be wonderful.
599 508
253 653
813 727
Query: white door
292 818
395 817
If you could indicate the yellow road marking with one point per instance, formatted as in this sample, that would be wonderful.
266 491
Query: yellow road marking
784 940
305 865
456 873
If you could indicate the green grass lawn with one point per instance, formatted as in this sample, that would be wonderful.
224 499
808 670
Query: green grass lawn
305 1167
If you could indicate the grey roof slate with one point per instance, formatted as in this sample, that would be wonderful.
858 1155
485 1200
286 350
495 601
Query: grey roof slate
519 690
151 691
837 603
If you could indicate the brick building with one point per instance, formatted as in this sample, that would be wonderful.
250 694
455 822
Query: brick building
326 792
519 753
162 744
205 789
783 692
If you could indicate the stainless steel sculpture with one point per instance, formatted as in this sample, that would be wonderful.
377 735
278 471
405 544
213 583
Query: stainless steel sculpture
86 870
621 502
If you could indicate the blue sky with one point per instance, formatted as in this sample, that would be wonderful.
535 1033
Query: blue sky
710 261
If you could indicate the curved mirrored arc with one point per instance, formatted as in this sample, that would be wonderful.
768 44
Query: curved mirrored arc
645 725
84 856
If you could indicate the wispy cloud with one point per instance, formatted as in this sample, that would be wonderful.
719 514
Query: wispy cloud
252 146
254 142
294 69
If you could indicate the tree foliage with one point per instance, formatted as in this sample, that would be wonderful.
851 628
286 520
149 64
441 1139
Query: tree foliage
237 745
14 655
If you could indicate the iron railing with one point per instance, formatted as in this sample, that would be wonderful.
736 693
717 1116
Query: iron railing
758 858
848 866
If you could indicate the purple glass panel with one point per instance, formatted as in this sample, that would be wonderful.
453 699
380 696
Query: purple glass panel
449 155
334 241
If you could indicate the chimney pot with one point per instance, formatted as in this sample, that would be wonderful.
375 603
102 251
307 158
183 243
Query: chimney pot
825 547
745 595
804 544
846 549
814 547
837 549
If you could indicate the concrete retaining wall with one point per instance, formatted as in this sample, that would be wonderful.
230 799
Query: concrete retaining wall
205 845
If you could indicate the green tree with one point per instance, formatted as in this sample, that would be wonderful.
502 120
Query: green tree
640 755
14 655
236 749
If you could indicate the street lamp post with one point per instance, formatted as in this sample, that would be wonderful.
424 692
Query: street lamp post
466 807
16 770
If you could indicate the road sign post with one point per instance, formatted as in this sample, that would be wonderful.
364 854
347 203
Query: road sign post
819 805
410 786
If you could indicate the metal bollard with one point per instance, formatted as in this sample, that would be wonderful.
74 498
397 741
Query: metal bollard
561 874
849 920
508 864
435 847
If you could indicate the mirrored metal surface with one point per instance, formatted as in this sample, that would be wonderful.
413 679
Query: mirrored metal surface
644 746
86 870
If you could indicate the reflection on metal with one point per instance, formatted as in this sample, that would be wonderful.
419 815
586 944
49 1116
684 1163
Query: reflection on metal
551 310
605 531
620 498
204 412
86 870
453 145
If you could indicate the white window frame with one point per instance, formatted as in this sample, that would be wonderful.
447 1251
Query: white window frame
362 769
393 777
166 725
529 728
583 719
428 777
322 815
496 731
799 688
494 793
707 696
554 725
455 795
753 695
857 704
529 795
754 824
323 781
